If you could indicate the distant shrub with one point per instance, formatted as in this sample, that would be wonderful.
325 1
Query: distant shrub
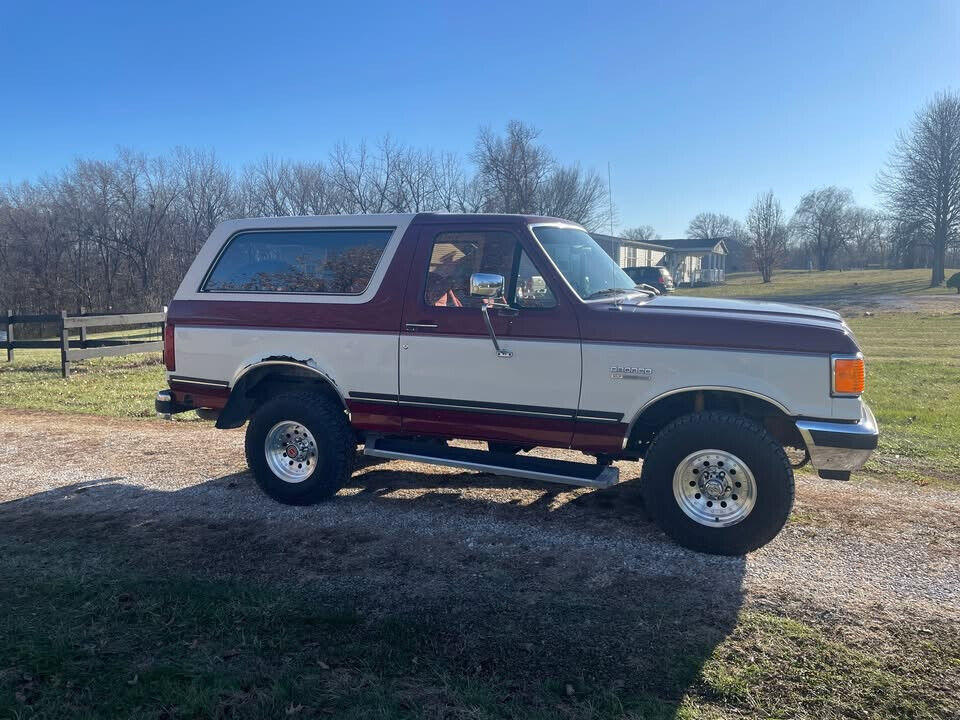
954 282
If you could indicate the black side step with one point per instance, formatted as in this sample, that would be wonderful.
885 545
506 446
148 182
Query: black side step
522 466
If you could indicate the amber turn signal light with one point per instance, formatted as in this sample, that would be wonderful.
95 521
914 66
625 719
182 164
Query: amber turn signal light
848 375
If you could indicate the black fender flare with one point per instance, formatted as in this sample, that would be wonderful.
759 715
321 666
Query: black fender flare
243 398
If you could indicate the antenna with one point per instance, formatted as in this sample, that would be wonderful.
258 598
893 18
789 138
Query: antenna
610 196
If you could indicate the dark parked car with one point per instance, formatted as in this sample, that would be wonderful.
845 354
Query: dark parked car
653 275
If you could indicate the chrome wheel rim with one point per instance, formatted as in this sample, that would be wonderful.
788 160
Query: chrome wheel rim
291 451
714 488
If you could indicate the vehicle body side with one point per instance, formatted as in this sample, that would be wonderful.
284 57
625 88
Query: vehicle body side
596 376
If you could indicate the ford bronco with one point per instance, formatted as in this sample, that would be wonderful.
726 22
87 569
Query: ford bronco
400 332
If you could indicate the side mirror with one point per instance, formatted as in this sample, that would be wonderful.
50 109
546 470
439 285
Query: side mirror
486 285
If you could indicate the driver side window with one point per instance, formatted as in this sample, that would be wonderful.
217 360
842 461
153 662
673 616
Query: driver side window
455 256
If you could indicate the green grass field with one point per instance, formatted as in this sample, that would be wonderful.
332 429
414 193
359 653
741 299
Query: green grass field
913 386
814 287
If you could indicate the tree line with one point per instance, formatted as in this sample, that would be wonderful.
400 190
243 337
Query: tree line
121 233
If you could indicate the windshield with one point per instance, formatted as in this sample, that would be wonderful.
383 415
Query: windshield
588 269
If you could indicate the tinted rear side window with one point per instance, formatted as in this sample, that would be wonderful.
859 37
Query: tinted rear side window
299 261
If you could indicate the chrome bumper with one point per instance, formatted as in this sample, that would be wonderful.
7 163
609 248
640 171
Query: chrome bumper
839 446
166 406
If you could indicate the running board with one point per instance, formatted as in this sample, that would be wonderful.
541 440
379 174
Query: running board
521 466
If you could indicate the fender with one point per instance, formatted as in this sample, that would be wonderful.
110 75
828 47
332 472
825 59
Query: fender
719 388
241 403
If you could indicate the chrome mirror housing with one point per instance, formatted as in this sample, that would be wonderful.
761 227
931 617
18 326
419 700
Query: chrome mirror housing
486 285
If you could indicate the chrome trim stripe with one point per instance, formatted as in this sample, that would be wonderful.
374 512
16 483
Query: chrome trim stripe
199 381
600 416
480 409
374 397
710 348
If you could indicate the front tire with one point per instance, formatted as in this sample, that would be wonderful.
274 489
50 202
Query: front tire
300 448
717 483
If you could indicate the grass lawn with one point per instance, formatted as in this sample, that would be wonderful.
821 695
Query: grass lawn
813 287
913 386
119 386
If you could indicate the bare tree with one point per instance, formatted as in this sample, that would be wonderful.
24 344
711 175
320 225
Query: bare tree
641 233
512 168
205 198
820 222
709 225
574 194
516 174
866 229
263 188
768 235
921 182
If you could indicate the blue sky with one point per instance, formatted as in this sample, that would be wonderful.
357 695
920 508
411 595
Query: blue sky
697 105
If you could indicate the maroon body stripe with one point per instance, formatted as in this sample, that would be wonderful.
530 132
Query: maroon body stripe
639 325
364 317
374 417
198 396
550 432
599 436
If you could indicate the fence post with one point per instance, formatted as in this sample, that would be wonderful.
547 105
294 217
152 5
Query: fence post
64 346
9 335
83 330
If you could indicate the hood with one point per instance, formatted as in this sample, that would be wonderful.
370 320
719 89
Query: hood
718 324
714 305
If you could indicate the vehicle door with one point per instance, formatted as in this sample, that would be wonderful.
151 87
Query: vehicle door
453 382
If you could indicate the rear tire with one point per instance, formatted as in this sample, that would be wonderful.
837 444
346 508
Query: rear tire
300 448
701 462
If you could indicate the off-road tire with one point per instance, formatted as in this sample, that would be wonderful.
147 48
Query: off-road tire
335 441
735 434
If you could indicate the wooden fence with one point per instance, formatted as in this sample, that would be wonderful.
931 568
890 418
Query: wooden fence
86 348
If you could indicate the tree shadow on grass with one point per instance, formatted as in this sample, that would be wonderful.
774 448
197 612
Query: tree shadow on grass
536 603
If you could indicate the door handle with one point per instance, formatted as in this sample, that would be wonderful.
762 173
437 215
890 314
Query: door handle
419 326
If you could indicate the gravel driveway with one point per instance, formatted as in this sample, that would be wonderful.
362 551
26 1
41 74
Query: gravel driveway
851 548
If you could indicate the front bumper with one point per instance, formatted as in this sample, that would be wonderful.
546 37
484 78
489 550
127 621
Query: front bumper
838 446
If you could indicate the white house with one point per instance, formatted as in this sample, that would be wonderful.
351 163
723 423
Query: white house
690 261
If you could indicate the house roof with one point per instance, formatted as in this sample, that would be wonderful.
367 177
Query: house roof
695 245
613 239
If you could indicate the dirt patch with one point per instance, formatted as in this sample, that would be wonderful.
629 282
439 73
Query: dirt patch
160 473
852 304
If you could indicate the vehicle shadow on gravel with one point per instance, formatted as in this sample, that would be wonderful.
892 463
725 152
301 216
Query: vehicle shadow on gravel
555 604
